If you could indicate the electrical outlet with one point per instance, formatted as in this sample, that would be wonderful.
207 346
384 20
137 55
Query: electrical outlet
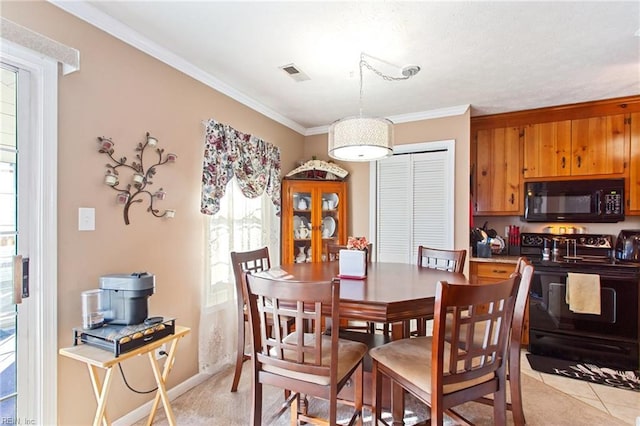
161 351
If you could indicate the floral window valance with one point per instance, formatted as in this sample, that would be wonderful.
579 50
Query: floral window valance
228 153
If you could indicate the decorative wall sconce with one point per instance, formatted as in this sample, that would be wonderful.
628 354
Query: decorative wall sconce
136 191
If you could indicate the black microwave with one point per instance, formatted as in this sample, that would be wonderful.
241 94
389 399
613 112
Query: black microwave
595 200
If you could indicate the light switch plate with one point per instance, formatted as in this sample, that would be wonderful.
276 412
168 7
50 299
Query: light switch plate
86 219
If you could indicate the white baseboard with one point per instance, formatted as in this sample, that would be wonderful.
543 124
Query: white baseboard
142 412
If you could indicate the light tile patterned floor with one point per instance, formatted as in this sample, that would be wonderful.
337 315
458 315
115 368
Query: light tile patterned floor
620 403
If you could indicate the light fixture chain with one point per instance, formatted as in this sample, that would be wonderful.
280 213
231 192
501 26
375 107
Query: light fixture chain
384 76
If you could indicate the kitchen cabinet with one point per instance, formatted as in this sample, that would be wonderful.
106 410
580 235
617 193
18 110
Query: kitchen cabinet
314 214
633 181
598 145
547 149
590 140
581 147
498 171
484 272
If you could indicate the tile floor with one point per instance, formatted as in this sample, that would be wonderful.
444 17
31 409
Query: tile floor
620 403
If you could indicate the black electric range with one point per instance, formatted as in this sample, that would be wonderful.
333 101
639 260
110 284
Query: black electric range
610 337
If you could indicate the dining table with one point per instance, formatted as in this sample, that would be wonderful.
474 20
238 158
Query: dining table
391 293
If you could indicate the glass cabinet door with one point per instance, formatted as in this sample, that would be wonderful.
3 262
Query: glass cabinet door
330 225
302 226
314 214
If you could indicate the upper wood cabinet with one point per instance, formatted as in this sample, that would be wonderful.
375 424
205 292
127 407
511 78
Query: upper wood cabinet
598 145
633 182
547 149
594 140
498 189
314 213
583 147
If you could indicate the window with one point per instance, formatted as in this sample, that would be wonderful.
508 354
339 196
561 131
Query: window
414 192
241 224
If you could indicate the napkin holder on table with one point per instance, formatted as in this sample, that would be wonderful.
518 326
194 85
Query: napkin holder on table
353 264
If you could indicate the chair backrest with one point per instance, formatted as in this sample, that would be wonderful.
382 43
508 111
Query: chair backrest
333 251
248 261
446 260
306 302
461 315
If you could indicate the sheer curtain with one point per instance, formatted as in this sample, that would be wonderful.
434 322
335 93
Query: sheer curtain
243 203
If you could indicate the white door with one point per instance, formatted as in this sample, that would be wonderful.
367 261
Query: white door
8 243
28 161
413 193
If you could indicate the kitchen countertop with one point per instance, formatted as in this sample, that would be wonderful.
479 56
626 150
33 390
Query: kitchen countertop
496 259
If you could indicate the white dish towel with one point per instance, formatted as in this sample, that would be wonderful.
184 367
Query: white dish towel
583 293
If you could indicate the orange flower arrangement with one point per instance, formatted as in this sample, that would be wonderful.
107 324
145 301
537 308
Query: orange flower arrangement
357 243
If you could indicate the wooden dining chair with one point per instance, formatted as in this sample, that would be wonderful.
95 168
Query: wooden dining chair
525 269
333 251
306 361
242 262
450 368
446 260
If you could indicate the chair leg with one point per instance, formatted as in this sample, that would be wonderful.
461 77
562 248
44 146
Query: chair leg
385 329
359 392
240 355
500 405
294 410
376 392
256 410
515 386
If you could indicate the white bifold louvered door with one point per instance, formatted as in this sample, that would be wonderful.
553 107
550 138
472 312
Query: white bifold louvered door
414 204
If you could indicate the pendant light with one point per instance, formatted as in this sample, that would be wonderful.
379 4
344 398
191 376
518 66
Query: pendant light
363 138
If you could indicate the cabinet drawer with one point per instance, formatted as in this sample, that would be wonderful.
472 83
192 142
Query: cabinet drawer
498 271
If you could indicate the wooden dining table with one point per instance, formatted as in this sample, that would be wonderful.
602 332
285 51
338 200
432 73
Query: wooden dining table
393 293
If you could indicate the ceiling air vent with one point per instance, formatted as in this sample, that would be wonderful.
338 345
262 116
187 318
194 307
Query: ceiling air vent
294 72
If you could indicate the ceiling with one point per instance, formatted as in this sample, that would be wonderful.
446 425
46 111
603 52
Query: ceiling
494 56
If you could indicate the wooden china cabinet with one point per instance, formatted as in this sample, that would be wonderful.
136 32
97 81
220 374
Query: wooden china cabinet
314 214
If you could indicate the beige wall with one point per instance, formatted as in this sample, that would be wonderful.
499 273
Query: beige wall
122 93
456 128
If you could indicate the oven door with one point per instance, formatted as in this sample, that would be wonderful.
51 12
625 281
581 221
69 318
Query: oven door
619 307
610 338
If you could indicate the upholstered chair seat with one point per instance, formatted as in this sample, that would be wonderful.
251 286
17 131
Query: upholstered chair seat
349 355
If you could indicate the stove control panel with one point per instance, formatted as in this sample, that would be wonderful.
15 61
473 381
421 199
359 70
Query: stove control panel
594 241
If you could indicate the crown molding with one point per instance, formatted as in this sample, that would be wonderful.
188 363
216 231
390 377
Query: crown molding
120 31
406 118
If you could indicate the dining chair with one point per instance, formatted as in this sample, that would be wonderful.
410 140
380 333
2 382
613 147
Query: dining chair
333 251
450 368
242 262
446 260
306 361
525 269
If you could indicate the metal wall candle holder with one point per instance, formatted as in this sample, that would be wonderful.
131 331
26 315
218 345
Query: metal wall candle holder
140 176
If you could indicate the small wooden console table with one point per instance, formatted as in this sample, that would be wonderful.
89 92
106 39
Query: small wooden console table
96 358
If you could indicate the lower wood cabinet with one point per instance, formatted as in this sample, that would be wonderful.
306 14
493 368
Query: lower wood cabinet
490 272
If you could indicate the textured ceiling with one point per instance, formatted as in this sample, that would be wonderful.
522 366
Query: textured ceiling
495 56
